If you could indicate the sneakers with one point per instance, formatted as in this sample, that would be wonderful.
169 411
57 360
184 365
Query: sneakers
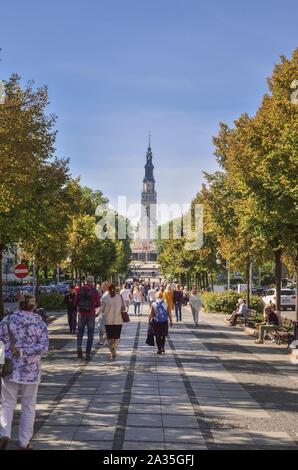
80 353
4 442
259 341
88 358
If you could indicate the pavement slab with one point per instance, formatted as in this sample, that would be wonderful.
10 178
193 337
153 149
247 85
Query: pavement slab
213 389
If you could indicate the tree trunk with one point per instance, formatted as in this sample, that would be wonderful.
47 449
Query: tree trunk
1 282
248 282
278 265
296 270
297 290
211 280
37 283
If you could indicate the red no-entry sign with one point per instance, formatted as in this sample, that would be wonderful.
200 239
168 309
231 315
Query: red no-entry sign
21 271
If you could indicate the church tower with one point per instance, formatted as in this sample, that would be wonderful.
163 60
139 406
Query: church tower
148 199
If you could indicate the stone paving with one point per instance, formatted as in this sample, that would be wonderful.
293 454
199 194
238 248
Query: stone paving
214 389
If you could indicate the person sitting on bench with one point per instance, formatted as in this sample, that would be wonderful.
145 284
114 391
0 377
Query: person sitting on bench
241 311
272 322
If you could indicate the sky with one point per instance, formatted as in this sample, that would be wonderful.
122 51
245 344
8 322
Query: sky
119 69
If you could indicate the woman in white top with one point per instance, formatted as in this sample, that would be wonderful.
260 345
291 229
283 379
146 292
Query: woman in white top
112 306
126 295
137 300
151 296
195 305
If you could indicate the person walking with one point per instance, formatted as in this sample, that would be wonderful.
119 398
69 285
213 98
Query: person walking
86 301
112 307
69 299
151 296
25 339
160 315
101 324
145 291
168 297
137 300
126 295
178 302
185 296
195 305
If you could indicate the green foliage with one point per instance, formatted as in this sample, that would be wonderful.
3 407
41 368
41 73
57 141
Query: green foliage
220 301
256 303
226 302
51 301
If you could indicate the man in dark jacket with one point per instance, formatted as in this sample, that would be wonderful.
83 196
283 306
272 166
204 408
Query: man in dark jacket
178 302
86 302
69 299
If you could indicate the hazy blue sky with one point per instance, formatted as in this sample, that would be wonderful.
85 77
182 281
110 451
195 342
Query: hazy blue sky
117 69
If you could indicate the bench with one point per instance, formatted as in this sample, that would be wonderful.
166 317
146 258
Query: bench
285 333
250 319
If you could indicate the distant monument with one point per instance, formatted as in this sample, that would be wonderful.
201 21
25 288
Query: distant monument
143 246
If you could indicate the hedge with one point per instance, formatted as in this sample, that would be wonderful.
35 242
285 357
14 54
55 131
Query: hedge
225 302
51 301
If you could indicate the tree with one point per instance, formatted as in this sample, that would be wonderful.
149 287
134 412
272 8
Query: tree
26 143
260 157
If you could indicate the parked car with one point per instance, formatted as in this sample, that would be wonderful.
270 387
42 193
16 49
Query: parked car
46 289
260 291
288 298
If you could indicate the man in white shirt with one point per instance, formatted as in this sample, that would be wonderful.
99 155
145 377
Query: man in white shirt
242 311
126 296
151 295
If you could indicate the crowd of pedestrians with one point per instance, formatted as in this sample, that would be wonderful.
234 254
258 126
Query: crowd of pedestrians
25 337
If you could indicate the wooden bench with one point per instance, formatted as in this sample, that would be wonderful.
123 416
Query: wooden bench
285 333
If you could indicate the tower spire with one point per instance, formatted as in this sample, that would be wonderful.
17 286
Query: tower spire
149 140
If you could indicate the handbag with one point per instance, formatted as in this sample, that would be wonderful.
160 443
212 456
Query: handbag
124 314
7 368
150 336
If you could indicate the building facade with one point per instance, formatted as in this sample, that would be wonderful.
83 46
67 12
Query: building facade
143 246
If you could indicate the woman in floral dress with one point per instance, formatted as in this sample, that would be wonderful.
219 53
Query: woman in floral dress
25 337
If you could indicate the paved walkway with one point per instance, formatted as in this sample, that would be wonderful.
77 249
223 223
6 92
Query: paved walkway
214 389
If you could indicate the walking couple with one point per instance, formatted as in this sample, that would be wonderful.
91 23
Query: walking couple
111 306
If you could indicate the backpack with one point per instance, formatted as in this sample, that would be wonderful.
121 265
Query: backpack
85 300
273 319
161 314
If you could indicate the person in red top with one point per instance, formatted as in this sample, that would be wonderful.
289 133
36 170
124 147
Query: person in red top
86 301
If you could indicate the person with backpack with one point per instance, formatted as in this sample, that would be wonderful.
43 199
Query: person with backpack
160 315
25 339
272 322
86 301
